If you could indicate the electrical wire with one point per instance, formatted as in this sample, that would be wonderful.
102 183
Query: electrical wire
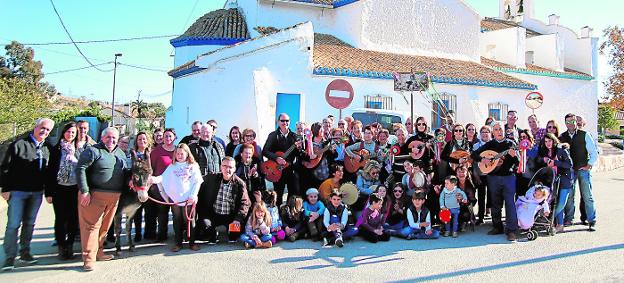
189 16
142 68
102 40
78 69
72 40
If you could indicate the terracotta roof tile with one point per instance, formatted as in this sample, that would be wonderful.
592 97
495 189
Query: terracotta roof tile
219 24
492 24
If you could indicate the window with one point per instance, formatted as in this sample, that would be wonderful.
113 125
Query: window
529 57
378 102
440 107
498 111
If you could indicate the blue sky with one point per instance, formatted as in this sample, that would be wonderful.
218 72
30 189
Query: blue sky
96 20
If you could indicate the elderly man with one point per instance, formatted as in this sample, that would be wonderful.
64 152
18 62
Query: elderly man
538 133
207 151
22 178
195 133
511 129
501 182
584 156
223 201
214 125
101 173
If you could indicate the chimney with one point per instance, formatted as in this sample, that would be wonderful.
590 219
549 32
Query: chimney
586 32
553 20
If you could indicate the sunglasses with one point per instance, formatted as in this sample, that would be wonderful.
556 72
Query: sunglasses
458 131
374 173
284 121
551 127
571 122
341 124
398 191
421 124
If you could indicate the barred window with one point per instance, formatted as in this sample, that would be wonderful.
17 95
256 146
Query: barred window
378 102
439 108
498 111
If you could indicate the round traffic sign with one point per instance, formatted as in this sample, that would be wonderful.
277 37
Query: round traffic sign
534 100
339 94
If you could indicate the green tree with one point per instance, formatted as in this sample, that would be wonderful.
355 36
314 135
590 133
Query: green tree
606 118
21 103
613 47
20 63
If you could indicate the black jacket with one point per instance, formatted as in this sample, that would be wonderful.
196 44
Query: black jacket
20 168
275 142
208 195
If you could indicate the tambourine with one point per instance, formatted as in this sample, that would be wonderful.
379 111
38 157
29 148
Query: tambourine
395 150
349 193
419 179
445 215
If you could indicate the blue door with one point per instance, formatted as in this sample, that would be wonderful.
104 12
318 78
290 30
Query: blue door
290 104
437 120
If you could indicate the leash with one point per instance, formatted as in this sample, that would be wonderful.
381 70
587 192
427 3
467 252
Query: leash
187 213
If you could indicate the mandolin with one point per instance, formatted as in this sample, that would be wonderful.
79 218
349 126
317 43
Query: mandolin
495 157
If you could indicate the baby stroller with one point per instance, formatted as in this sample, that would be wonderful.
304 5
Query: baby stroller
544 224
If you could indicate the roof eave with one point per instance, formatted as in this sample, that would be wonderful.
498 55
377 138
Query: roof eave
196 41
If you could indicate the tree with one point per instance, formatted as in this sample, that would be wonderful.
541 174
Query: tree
21 103
613 47
20 63
606 118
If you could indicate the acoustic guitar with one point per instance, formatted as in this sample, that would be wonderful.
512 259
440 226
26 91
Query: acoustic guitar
459 154
495 157
319 152
352 165
421 148
272 170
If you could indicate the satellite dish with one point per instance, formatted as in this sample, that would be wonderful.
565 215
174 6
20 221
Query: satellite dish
534 100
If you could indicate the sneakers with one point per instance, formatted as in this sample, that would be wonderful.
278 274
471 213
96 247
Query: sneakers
325 242
455 234
495 231
28 258
9 264
339 242
592 227
446 233
511 236
176 248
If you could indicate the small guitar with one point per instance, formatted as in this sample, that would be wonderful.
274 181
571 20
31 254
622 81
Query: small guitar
319 152
459 154
272 170
418 149
495 157
352 165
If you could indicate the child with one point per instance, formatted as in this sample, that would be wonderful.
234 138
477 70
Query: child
527 205
419 220
181 182
335 219
258 231
292 218
372 221
270 199
395 221
450 197
313 210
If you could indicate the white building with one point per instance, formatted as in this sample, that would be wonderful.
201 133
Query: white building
253 59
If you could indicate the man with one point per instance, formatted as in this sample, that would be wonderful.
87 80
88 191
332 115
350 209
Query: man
207 151
214 125
158 137
511 129
223 200
281 140
82 138
22 176
195 133
101 173
584 156
410 126
501 182
538 133
349 120
327 126
449 124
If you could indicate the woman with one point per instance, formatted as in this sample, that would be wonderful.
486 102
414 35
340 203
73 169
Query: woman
142 145
321 172
523 179
397 167
457 143
489 121
161 157
367 177
235 139
249 136
555 155
382 141
552 127
466 184
248 169
396 219
63 192
471 134
422 140
480 180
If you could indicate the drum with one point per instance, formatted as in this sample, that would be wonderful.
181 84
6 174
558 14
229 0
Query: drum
445 215
419 179
349 193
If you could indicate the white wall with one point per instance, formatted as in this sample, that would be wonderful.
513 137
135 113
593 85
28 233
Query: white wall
437 28
184 54
510 46
548 51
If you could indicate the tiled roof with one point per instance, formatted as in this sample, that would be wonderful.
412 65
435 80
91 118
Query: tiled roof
218 24
536 70
348 61
492 24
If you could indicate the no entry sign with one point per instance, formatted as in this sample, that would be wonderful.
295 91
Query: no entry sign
339 94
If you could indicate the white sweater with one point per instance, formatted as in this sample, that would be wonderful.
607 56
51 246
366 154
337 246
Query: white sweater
180 181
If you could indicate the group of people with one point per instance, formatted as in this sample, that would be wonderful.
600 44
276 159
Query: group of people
405 181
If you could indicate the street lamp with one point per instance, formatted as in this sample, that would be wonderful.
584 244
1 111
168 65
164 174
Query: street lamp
114 75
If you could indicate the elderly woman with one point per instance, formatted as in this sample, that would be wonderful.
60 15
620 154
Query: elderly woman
555 155
249 136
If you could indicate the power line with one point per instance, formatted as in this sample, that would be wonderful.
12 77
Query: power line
102 40
189 16
72 40
142 68
78 69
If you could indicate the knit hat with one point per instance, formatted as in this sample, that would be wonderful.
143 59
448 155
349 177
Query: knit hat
312 191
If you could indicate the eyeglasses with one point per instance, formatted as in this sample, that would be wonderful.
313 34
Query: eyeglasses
485 132
458 131
284 121
421 124
571 122
398 191
471 130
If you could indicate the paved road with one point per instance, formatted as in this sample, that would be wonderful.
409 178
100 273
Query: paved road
575 256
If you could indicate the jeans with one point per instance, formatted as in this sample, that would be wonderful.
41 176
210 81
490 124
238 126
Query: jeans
502 190
454 219
247 239
585 185
65 203
22 211
395 229
418 233
346 233
561 204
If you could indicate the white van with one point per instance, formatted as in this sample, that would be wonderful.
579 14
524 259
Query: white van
385 117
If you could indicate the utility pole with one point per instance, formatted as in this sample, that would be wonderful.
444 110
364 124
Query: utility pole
114 76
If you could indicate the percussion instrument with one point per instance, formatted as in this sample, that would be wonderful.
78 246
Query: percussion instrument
445 215
349 193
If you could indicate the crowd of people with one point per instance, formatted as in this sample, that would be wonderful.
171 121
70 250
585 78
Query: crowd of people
331 181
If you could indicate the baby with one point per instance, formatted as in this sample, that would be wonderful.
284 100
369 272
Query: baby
528 205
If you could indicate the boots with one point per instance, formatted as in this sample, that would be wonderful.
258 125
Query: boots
69 252
62 252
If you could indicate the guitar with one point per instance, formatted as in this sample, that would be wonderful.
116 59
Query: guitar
352 165
459 154
495 157
319 156
272 170
421 148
